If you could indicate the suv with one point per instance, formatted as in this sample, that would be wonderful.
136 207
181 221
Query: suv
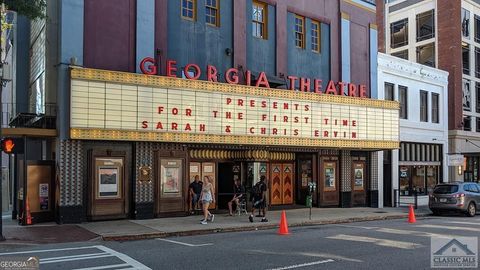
457 196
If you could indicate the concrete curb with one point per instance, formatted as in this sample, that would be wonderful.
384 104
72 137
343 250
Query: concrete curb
249 228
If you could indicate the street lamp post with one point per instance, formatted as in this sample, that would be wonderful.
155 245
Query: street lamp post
2 238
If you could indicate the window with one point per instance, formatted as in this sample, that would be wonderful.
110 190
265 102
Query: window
259 20
477 28
477 62
465 23
467 96
300 32
401 54
435 104
423 106
389 91
466 58
477 129
188 9
477 95
212 12
399 33
467 123
315 36
426 55
402 98
425 25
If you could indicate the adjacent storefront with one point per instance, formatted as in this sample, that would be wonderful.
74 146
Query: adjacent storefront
146 138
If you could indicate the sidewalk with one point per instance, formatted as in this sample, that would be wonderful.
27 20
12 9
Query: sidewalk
177 226
190 225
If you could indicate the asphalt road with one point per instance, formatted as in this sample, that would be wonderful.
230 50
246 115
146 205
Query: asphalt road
391 244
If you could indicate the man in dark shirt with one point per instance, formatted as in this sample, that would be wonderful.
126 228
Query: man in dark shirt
239 194
195 189
260 198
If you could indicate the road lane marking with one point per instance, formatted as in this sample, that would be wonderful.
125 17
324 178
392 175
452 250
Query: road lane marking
75 258
183 243
116 266
376 241
302 265
360 227
46 250
463 222
135 264
413 233
449 227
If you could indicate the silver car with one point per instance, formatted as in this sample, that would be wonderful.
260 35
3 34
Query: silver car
457 196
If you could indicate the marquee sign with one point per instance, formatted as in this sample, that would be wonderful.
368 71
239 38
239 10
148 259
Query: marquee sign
124 106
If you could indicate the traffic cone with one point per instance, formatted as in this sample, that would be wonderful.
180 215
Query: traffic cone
283 224
411 215
29 216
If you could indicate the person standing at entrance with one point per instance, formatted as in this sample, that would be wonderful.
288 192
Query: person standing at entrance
239 194
260 199
195 189
207 197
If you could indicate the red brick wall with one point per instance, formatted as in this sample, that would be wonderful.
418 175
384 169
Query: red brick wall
450 57
380 23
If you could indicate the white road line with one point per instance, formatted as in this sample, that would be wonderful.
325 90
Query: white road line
449 227
463 222
185 244
135 264
302 265
73 256
376 241
413 233
360 227
46 250
77 259
106 267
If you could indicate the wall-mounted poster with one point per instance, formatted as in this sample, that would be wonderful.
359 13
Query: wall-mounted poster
171 176
358 176
329 176
108 184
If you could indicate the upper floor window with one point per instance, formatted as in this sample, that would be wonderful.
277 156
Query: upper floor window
477 62
212 14
389 91
467 96
315 29
426 55
403 99
466 58
300 32
477 95
465 23
477 28
467 123
189 9
435 105
425 25
401 54
399 33
423 106
259 20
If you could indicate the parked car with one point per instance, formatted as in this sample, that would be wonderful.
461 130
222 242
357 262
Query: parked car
457 196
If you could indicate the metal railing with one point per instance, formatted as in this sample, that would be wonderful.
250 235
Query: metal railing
398 203
23 115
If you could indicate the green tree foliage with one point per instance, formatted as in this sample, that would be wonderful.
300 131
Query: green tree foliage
31 9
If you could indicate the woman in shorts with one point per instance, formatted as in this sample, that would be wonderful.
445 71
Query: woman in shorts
207 197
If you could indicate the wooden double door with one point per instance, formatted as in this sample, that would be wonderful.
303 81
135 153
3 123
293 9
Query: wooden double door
281 177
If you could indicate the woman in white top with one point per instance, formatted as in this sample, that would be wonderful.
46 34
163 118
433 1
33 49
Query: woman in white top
207 197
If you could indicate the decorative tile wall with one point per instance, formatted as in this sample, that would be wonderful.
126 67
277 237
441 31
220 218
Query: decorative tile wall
346 171
374 171
144 157
72 167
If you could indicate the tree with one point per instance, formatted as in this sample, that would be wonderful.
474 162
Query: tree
31 9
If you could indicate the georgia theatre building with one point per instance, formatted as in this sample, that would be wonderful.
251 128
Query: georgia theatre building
184 89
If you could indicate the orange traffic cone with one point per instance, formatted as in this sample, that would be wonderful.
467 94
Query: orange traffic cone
283 224
29 216
411 215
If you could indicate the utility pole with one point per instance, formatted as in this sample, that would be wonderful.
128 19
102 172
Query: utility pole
2 238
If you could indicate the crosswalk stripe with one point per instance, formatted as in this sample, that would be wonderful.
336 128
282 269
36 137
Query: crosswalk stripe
457 228
376 241
72 256
106 267
76 259
413 233
463 222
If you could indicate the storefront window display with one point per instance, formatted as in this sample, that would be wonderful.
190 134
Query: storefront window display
421 179
471 165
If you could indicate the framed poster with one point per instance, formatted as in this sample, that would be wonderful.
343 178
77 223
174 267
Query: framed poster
171 177
358 176
329 173
109 183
